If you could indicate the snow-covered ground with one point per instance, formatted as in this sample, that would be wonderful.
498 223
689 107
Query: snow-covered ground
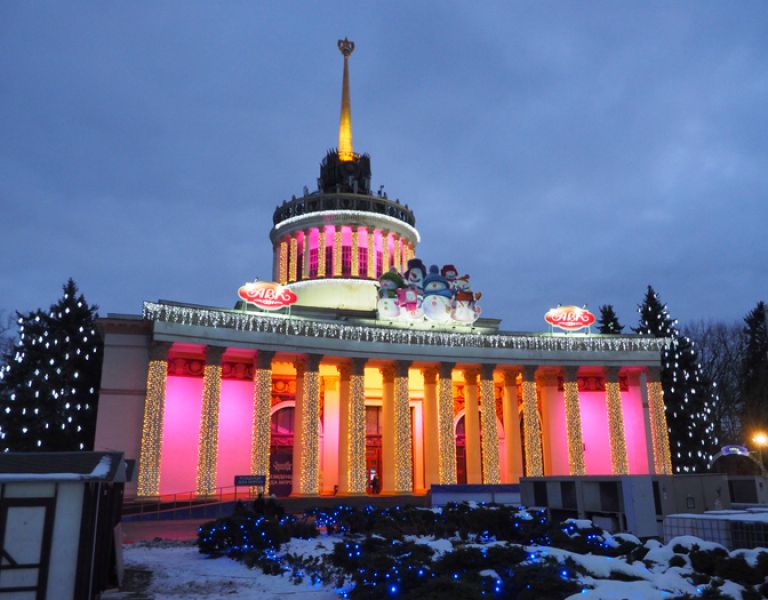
180 571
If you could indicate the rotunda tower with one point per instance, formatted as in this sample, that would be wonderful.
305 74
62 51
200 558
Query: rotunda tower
330 246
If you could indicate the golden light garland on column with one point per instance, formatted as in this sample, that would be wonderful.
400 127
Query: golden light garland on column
397 262
292 256
209 431
490 435
616 428
337 254
446 434
573 428
355 263
321 252
402 429
384 251
534 460
282 272
371 239
261 434
309 479
662 456
356 475
148 483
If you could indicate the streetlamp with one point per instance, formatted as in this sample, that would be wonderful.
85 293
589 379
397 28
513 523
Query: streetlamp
760 439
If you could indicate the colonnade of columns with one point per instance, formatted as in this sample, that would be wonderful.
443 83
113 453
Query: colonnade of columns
482 451
304 254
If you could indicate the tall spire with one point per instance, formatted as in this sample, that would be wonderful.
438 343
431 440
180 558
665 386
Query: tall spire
346 153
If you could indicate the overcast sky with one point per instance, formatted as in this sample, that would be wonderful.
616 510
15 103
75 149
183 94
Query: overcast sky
564 153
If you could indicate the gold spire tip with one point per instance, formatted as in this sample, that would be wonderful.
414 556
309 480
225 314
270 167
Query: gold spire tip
346 153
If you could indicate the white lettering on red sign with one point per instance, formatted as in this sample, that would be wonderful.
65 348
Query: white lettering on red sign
570 318
267 294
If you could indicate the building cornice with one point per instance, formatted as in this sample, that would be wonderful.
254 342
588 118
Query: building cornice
297 327
344 217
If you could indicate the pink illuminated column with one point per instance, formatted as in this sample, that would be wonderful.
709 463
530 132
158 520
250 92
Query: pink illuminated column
337 250
152 427
511 415
312 251
331 423
307 254
371 251
355 253
615 422
379 253
209 422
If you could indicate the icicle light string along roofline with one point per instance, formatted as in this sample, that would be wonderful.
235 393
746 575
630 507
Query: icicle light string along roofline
219 318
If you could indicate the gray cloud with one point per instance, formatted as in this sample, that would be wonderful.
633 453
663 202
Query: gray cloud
560 153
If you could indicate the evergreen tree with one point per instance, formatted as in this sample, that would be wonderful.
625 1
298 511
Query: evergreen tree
50 382
688 399
754 370
609 322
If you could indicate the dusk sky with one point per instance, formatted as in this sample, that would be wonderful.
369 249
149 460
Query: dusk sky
558 152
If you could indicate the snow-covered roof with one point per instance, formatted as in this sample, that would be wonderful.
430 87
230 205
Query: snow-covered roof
61 466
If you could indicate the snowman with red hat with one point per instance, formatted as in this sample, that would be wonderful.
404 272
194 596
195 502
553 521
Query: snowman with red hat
465 309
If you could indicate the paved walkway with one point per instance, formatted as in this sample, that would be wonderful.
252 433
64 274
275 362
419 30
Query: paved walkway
146 531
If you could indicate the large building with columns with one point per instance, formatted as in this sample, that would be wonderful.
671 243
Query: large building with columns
333 396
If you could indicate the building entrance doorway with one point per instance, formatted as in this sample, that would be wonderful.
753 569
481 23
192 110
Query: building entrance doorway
281 452
373 465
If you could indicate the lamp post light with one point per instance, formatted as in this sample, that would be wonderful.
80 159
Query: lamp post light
760 439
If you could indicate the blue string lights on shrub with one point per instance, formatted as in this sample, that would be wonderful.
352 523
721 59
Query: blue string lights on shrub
49 383
375 557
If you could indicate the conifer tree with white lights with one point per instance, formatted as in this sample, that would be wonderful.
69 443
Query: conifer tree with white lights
49 381
688 399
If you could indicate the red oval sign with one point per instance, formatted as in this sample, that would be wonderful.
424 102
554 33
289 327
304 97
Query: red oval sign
570 318
266 294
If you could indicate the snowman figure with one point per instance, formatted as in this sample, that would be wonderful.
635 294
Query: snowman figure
437 296
389 285
464 308
414 280
450 273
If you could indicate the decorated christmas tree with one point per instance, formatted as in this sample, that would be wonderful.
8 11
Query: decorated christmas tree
49 383
609 322
687 397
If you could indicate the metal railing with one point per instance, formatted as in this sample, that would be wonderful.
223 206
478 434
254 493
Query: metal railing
188 504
